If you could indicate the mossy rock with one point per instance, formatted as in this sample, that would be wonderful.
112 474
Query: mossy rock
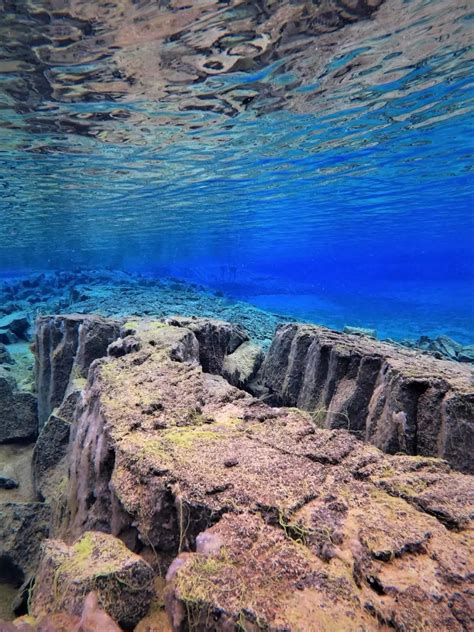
96 562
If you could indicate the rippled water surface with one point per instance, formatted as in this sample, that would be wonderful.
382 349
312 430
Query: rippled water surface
313 157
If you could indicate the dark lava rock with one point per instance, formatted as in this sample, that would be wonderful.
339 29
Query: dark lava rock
99 563
216 339
17 324
23 526
293 526
466 354
241 366
18 413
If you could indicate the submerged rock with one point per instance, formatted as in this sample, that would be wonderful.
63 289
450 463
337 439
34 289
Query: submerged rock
294 527
360 331
22 528
14 326
8 483
98 563
65 347
216 339
49 456
466 354
18 419
5 357
398 399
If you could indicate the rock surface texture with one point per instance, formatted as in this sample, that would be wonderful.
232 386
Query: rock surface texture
293 527
189 504
18 418
396 398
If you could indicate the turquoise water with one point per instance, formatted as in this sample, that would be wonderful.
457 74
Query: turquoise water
311 157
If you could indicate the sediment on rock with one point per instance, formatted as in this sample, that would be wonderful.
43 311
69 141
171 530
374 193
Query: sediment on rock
396 398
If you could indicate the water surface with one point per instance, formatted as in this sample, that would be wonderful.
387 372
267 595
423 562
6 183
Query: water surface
318 154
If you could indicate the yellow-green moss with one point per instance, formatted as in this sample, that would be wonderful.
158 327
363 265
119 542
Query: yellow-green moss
187 437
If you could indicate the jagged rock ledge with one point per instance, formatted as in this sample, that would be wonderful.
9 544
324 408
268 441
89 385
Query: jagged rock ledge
263 520
396 398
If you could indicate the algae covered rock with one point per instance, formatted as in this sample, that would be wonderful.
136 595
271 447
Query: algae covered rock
99 563
241 366
216 339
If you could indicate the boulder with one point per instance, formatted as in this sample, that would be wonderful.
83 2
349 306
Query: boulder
98 563
65 347
7 337
17 323
216 339
399 399
22 528
8 483
241 366
444 347
18 418
466 354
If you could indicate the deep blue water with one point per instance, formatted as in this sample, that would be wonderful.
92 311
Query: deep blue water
312 158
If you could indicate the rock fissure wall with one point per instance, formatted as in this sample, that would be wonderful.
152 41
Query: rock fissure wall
400 400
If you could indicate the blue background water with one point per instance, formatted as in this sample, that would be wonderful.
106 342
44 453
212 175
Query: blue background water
331 181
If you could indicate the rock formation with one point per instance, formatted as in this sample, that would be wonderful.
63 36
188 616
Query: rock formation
65 348
188 494
396 398
19 420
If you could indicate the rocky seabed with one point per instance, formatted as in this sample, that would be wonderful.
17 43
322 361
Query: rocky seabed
176 477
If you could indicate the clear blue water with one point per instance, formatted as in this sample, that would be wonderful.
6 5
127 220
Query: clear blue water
314 158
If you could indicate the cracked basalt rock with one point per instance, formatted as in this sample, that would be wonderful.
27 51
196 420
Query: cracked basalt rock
396 398
294 527
65 347
241 366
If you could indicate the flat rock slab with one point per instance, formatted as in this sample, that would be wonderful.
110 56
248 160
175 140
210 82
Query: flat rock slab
296 527
399 399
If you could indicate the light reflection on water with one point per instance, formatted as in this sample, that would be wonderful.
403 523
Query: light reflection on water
171 133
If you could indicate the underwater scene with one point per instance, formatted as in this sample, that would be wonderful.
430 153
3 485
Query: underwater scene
236 315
